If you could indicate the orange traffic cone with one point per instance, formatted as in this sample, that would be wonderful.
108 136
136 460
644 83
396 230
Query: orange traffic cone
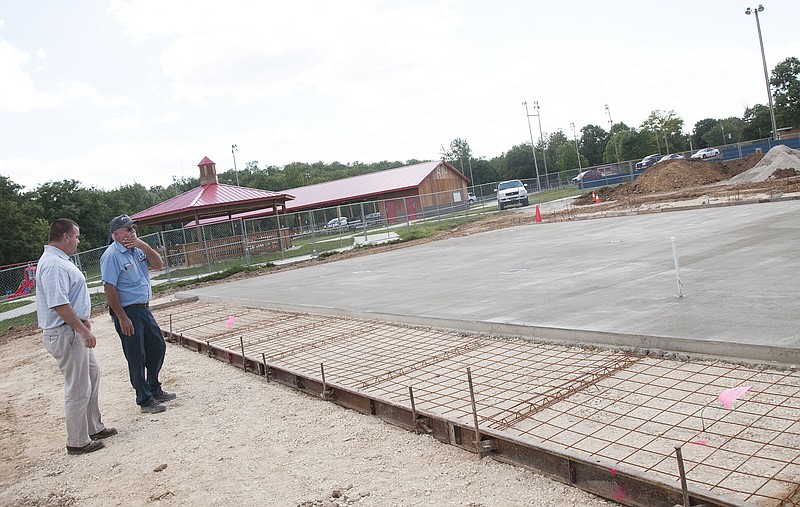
538 218
595 198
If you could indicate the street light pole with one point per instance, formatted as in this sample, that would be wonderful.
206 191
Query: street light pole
535 164
611 131
541 141
572 124
764 62
235 148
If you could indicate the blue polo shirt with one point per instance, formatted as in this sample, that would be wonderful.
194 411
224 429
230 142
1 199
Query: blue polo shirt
127 270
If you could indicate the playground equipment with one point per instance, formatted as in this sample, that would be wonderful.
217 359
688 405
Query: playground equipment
28 284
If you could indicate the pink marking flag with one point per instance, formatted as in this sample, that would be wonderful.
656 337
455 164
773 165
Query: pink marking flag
728 396
230 322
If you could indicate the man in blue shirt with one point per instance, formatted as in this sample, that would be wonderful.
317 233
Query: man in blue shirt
63 310
126 282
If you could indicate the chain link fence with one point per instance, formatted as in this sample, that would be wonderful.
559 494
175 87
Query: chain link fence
192 252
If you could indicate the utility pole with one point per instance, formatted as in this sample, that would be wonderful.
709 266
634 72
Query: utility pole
533 149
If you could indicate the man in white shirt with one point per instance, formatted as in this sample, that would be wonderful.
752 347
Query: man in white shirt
63 309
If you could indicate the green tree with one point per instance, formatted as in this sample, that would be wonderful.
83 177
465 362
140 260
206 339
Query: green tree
554 140
726 131
485 171
593 143
757 123
87 206
786 89
22 230
632 145
664 127
519 163
700 130
612 151
568 157
459 155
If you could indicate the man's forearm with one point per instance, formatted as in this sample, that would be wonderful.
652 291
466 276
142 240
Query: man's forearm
112 298
153 257
67 312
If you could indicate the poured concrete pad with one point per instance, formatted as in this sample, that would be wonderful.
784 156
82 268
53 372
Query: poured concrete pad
739 264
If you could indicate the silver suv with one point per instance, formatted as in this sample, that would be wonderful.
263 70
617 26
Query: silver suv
511 192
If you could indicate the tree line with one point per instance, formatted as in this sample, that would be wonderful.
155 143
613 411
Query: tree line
25 215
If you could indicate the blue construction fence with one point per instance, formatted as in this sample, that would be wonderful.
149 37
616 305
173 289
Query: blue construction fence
729 152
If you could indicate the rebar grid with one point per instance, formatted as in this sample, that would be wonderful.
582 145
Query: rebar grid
628 410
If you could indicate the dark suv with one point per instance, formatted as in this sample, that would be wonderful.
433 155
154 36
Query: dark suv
648 161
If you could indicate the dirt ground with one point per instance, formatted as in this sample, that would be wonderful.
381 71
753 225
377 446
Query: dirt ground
233 438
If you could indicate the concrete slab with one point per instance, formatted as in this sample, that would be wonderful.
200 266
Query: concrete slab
740 269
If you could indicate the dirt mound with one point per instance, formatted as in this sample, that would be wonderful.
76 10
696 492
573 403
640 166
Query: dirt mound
673 175
777 159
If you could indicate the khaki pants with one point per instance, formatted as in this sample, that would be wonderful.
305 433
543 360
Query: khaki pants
81 383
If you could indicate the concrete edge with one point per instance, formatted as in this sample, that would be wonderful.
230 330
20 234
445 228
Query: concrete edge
657 346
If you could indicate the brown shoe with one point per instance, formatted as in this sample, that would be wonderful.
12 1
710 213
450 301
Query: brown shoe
105 433
92 446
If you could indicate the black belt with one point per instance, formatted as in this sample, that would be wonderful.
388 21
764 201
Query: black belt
138 305
85 322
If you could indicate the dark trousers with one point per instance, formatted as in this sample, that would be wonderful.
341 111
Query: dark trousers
144 351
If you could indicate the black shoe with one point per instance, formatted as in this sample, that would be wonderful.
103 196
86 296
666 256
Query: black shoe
94 445
153 407
165 396
108 432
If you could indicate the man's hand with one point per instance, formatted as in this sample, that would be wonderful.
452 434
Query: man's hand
133 241
125 324
89 339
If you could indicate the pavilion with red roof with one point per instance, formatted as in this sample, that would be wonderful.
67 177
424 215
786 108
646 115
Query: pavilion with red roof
213 200
210 200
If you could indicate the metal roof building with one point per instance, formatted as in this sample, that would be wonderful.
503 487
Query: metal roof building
411 183
211 199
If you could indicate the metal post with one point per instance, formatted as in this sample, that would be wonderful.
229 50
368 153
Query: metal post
244 359
235 148
610 131
413 410
474 412
578 153
677 267
682 472
766 74
541 141
533 149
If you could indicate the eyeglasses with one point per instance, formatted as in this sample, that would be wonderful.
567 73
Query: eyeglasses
130 228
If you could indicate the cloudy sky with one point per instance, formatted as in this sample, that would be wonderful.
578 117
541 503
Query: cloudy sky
113 92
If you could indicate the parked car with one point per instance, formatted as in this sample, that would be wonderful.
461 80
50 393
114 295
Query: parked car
706 153
671 156
585 175
336 224
374 218
471 197
648 161
511 192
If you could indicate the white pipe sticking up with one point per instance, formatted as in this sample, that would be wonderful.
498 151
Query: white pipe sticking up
677 267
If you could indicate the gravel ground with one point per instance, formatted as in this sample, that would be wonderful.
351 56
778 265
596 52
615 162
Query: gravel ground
231 438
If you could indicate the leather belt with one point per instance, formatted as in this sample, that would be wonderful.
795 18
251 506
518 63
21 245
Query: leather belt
84 323
139 305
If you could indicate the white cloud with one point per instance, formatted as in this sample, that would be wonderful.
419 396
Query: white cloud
41 54
122 124
18 92
171 117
